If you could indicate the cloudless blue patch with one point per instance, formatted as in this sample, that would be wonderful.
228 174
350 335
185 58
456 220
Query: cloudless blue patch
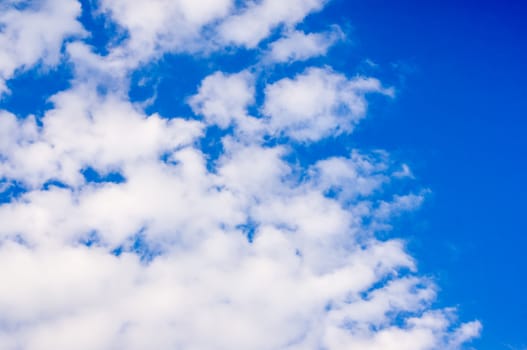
283 70
53 183
307 154
232 61
332 192
103 32
212 146
31 90
11 190
249 230
118 250
177 77
143 85
92 175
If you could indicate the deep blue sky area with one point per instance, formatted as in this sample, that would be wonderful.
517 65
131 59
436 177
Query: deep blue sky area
459 120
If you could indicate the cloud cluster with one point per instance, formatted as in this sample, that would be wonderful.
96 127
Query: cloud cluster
151 28
127 233
34 32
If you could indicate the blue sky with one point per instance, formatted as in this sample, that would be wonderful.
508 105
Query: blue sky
460 121
348 142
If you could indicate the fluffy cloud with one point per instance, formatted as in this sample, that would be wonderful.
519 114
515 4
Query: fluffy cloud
257 20
313 105
317 103
357 175
34 32
85 129
169 244
298 46
164 25
223 99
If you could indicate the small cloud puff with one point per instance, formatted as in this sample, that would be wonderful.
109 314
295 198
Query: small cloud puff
318 103
299 46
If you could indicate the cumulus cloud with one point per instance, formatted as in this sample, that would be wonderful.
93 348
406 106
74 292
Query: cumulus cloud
34 32
223 99
318 103
171 245
85 129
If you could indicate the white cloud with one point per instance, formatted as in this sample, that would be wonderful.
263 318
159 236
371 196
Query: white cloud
299 46
150 29
358 175
34 33
182 255
258 19
156 27
223 99
210 288
85 129
318 103
163 25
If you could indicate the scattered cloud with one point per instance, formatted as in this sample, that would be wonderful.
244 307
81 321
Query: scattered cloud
318 103
32 33
258 19
299 46
223 99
